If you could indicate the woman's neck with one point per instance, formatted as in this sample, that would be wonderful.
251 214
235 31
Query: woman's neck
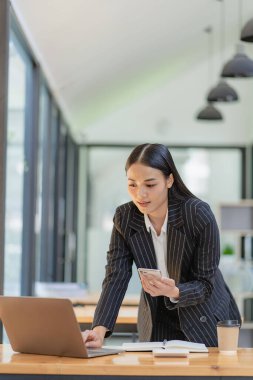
157 222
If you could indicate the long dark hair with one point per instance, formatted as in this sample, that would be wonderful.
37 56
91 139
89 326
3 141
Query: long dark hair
157 156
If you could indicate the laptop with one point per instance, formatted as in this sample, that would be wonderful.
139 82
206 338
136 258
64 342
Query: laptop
45 326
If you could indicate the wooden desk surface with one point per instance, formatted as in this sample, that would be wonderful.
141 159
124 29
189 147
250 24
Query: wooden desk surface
127 314
136 365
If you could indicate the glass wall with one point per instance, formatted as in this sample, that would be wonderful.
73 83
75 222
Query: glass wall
44 103
60 202
205 172
20 72
37 158
70 259
47 262
55 163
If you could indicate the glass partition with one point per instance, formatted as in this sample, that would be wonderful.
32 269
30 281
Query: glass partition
19 73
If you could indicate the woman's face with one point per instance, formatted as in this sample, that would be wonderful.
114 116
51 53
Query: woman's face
148 189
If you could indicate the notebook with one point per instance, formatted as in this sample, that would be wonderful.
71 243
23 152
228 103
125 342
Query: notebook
166 345
46 326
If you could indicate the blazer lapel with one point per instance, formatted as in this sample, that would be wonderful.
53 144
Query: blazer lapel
176 239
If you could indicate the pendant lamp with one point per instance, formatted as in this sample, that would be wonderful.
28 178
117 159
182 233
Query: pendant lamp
210 113
222 93
247 31
239 66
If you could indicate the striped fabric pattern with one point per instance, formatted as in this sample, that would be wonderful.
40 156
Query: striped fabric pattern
193 254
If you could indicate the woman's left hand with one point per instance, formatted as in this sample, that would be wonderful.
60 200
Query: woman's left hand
160 287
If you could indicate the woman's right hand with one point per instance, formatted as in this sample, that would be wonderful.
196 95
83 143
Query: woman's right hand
94 338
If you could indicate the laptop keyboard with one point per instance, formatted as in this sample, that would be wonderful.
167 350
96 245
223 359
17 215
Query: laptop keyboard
101 352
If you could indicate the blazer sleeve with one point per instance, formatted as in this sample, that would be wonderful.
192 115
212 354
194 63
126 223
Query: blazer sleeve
118 274
204 263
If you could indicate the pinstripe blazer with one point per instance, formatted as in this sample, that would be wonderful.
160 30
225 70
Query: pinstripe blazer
193 254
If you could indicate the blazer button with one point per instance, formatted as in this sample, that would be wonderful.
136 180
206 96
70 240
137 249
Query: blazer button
202 318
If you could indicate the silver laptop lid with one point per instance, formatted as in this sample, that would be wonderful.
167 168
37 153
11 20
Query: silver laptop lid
46 326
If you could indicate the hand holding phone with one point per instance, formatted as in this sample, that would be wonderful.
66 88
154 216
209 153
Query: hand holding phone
156 285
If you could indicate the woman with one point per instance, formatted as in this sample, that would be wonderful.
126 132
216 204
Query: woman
166 227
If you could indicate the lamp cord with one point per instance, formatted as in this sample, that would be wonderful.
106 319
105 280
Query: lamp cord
222 29
239 17
209 30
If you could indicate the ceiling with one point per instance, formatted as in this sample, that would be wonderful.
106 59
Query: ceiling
99 54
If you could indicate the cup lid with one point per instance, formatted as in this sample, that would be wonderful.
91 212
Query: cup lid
228 323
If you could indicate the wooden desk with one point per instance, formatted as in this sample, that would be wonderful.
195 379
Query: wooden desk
126 365
126 321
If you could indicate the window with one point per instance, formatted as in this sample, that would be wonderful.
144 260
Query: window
20 71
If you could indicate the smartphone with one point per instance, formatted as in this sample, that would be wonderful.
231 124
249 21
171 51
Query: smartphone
150 272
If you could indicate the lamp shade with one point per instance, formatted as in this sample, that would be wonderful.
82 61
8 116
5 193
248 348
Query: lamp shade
239 66
209 113
222 93
247 31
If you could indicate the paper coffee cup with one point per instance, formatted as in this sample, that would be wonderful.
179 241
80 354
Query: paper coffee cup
228 335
